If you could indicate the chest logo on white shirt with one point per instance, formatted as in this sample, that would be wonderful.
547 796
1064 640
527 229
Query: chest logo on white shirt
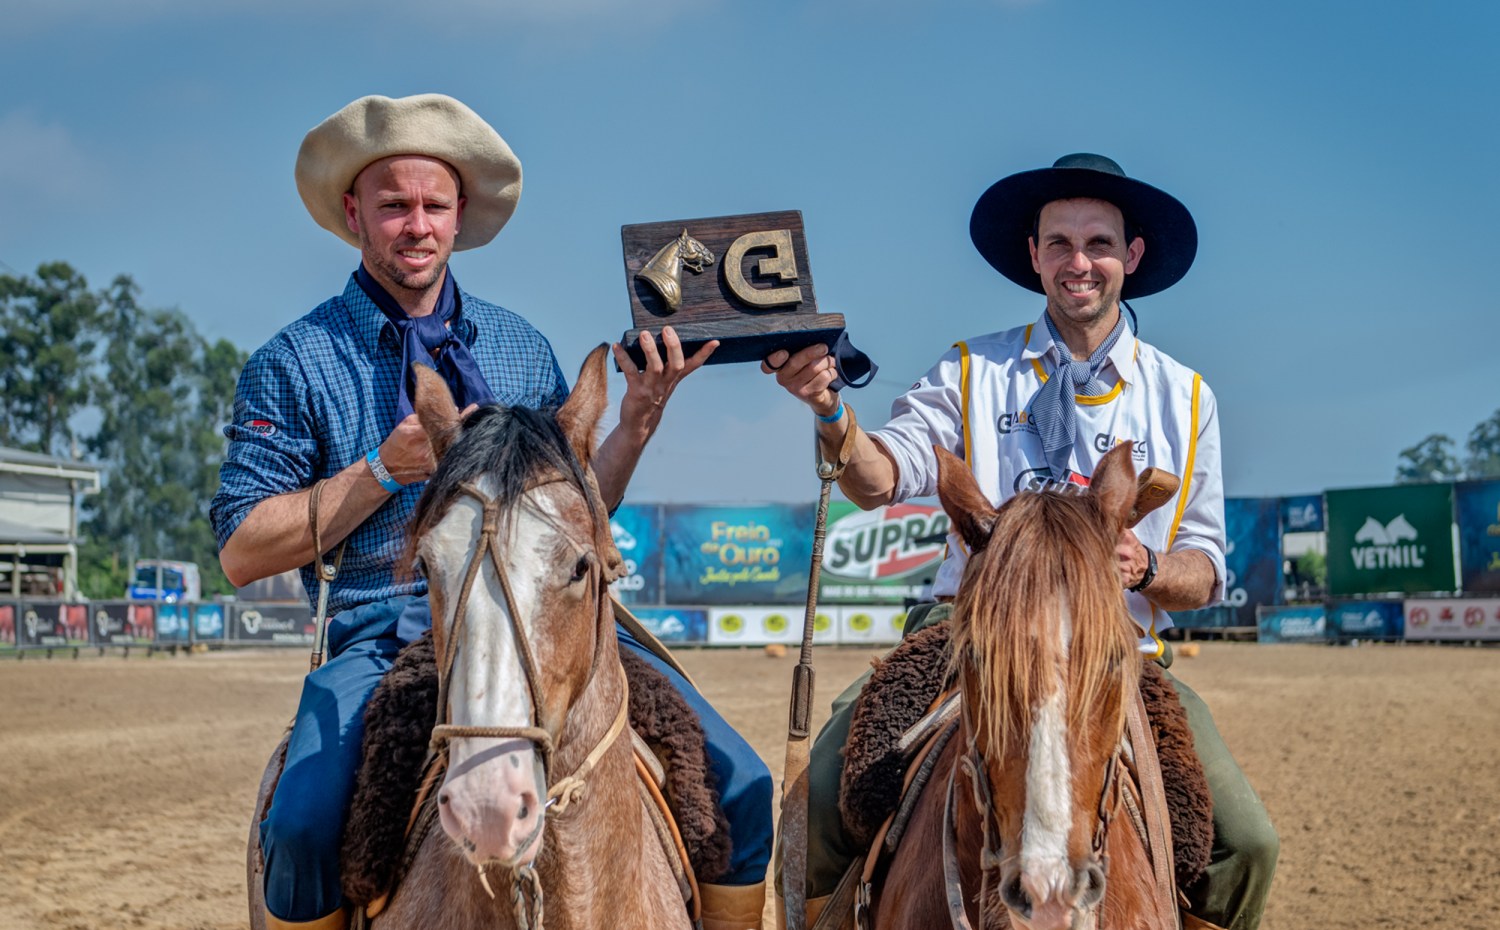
1103 442
1020 421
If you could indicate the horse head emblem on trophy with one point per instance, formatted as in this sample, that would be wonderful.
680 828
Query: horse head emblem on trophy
664 271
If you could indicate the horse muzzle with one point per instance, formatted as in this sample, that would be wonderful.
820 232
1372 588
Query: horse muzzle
1073 909
492 802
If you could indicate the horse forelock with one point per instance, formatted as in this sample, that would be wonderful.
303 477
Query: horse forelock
1048 564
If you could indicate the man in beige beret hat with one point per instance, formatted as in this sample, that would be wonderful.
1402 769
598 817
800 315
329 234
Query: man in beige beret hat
406 181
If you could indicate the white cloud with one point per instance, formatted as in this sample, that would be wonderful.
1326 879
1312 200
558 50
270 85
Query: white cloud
42 160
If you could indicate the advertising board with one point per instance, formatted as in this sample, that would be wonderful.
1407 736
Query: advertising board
10 614
1367 619
737 555
208 622
1302 514
279 624
873 624
885 555
1397 538
1209 618
1305 623
675 625
123 623
759 625
1453 618
1252 556
1477 507
637 532
52 624
172 624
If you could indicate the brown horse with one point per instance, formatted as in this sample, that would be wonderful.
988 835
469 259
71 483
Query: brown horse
1044 654
541 814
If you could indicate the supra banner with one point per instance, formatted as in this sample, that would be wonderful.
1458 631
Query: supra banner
1397 538
1477 505
637 533
1453 618
883 555
737 555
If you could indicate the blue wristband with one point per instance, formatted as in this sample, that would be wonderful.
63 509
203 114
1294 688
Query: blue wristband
834 417
377 468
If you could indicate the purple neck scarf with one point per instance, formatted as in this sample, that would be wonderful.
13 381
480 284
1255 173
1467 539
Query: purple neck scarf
423 335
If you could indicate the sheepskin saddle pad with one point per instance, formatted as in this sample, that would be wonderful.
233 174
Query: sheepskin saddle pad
907 682
398 723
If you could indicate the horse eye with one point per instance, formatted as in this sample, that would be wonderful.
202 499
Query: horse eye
581 569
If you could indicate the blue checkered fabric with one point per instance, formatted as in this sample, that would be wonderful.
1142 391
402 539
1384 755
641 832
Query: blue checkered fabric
322 393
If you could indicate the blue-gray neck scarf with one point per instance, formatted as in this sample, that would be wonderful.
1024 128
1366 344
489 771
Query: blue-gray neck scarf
1053 409
421 336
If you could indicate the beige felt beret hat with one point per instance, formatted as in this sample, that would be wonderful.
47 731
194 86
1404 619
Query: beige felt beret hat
434 125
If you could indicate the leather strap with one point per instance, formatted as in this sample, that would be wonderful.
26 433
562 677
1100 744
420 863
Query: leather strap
1154 802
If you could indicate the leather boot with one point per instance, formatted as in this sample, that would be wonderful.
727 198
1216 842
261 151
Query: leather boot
338 920
732 907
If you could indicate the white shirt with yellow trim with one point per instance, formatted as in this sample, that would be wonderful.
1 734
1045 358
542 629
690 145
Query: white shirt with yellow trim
975 402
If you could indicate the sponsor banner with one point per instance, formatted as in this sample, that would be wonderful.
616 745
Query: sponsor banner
1397 538
1302 514
1367 619
10 619
1252 556
172 623
123 623
1453 618
637 533
285 624
735 555
1209 618
208 622
1302 624
53 623
871 623
675 625
757 626
883 555
1477 505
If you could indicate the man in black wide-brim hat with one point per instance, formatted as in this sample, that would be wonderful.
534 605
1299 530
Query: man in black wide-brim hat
1038 406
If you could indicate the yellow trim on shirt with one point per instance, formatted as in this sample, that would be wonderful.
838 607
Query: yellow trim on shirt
963 389
1187 471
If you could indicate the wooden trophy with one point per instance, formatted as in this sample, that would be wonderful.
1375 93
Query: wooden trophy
743 280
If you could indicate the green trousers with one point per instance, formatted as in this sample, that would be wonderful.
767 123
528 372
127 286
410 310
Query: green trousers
1232 893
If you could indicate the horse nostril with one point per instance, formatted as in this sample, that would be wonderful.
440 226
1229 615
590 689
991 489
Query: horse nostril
1014 897
443 798
1090 884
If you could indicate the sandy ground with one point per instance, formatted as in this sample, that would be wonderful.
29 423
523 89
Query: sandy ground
126 784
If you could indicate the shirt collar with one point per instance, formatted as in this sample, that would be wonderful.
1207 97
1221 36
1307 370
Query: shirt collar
1039 344
371 326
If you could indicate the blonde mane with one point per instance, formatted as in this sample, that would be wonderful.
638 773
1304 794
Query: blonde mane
1045 548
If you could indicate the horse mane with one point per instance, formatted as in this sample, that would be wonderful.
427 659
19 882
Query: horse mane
508 445
1045 547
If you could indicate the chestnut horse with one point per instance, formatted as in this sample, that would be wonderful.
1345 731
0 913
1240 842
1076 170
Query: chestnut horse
1019 807
515 543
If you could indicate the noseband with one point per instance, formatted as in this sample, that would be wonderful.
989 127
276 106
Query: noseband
570 788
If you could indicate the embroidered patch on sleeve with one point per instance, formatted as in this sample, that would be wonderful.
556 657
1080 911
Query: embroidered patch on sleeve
263 427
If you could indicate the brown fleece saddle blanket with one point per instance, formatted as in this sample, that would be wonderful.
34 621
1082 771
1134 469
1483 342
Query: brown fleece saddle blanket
907 682
398 723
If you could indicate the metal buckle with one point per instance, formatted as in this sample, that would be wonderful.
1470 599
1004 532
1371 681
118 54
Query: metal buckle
862 896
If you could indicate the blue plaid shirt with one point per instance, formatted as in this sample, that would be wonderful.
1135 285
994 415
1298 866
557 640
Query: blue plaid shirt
322 393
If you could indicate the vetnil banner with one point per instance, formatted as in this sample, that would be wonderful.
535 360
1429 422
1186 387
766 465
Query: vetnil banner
1397 538
881 555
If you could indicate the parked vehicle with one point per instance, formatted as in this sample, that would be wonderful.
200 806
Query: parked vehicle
165 580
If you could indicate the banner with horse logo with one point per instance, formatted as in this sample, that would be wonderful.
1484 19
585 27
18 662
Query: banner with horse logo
637 532
1397 538
1477 504
1305 623
1367 619
1302 514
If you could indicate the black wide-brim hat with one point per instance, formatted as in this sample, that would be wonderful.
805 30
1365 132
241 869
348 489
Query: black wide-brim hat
1006 214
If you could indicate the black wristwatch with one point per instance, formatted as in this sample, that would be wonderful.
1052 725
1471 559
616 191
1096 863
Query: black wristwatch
1150 575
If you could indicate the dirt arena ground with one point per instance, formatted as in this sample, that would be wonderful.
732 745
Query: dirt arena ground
126 784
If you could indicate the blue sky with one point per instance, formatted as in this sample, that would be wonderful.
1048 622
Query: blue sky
1339 159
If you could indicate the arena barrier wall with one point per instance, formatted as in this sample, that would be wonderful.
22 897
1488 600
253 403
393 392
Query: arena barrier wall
1453 619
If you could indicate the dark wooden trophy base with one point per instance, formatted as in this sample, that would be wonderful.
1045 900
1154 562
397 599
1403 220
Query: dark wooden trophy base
790 332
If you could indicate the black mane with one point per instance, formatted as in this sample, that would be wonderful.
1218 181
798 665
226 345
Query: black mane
509 445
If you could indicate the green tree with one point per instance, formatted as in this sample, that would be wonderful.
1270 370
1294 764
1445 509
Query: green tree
1432 459
168 394
1484 448
1312 566
48 335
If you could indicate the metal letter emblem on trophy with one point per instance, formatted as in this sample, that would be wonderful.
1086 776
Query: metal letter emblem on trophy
743 280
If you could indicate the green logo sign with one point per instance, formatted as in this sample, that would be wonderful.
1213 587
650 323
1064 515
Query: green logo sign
1391 539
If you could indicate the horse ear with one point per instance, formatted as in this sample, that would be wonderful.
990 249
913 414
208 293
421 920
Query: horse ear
579 416
1113 485
435 409
972 513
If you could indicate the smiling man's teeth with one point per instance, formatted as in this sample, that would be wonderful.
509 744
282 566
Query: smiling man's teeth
1081 288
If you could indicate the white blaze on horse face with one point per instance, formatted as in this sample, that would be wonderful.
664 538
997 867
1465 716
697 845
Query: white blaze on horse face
491 801
1045 870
